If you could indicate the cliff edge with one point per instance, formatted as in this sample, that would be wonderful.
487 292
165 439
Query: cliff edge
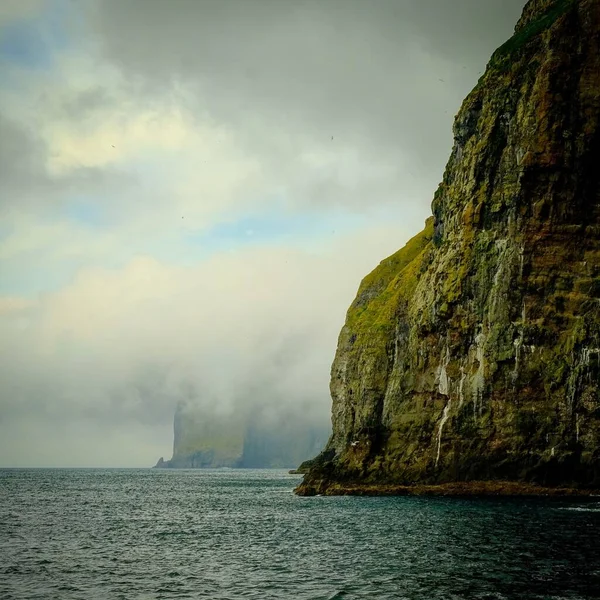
473 353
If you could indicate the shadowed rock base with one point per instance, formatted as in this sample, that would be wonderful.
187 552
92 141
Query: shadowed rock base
467 489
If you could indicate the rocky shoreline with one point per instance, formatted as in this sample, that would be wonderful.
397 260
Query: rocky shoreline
457 489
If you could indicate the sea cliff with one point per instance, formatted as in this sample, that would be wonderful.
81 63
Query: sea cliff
263 437
473 353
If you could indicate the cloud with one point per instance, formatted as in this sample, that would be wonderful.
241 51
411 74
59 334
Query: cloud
366 75
11 10
123 346
191 193
15 304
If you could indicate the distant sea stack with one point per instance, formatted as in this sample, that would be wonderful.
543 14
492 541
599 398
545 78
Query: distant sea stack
265 438
470 359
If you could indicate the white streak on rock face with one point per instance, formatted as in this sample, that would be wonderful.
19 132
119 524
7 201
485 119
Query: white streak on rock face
500 274
461 394
443 387
444 382
586 355
478 381
501 245
521 261
518 343
577 377
445 416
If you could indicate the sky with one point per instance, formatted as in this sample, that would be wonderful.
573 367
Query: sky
191 192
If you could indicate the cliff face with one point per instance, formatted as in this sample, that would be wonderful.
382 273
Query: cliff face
474 352
263 439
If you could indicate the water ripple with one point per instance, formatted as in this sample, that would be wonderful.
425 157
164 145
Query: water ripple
149 535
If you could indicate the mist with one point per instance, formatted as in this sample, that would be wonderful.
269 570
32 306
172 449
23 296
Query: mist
191 193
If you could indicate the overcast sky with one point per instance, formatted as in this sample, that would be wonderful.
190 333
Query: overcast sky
191 192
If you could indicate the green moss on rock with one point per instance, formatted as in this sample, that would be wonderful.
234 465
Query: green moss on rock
530 31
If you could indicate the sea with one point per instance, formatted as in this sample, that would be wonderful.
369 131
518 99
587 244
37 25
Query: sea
145 534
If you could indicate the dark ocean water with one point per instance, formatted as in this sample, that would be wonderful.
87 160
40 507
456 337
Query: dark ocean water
149 534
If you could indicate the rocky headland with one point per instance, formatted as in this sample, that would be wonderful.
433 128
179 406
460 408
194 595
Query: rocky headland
469 362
